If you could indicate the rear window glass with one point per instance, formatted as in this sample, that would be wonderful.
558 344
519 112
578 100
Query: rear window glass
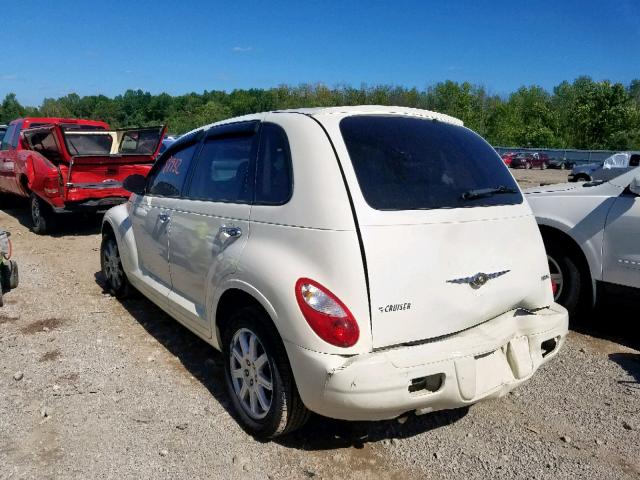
404 163
141 141
85 143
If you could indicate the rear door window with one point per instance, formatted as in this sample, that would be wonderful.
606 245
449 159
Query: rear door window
168 176
405 163
222 173
274 182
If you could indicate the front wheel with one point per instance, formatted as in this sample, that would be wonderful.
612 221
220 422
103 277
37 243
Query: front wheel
111 265
258 376
41 215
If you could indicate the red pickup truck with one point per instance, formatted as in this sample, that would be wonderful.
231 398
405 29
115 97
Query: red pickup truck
68 165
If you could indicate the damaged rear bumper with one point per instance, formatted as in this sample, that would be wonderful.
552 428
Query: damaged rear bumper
486 361
90 205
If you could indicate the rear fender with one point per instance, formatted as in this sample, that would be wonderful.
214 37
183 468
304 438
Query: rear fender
43 178
237 284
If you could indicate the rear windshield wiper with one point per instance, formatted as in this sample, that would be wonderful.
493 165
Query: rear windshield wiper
487 192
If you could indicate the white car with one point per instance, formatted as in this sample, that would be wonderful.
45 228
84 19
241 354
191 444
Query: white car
592 235
358 262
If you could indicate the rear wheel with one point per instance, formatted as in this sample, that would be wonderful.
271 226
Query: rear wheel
258 376
567 280
42 216
111 265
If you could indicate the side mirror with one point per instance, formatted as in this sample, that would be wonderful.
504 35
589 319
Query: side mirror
135 184
634 186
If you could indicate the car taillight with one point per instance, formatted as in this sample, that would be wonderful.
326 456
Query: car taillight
326 314
51 187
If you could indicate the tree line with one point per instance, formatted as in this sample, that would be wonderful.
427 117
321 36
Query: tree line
584 114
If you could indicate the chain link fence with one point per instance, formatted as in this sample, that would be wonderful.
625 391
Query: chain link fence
563 154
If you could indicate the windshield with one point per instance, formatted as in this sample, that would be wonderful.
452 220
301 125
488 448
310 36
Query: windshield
88 143
406 163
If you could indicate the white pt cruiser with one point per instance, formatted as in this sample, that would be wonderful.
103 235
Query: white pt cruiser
358 262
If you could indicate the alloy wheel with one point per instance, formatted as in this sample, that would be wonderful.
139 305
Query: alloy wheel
112 267
251 373
557 279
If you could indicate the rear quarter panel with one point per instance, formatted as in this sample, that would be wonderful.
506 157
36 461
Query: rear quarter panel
313 235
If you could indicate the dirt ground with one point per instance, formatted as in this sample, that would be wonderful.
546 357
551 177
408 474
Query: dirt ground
92 387
533 178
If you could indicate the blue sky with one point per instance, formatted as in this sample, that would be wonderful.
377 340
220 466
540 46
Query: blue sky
52 48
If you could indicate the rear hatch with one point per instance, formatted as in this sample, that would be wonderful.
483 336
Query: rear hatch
448 241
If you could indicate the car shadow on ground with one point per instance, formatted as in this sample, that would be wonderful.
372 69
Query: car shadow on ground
630 362
320 433
615 318
66 225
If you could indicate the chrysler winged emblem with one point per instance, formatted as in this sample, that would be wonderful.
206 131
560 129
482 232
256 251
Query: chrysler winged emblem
479 279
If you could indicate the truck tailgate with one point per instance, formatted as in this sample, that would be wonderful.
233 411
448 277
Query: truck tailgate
102 176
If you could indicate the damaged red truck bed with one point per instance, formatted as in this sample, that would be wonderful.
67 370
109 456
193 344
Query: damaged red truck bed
69 165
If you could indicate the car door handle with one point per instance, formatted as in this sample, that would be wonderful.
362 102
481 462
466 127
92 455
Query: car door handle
234 232
163 217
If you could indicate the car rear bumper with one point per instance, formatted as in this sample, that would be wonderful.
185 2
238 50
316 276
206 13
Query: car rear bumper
486 361
91 204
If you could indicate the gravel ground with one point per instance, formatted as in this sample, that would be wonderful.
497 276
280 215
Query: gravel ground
91 387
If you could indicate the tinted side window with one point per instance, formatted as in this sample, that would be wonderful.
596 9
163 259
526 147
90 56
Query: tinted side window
9 134
168 178
405 163
222 171
273 174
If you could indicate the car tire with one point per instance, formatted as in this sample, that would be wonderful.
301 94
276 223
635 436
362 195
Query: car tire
263 412
564 261
116 279
9 275
42 216
581 178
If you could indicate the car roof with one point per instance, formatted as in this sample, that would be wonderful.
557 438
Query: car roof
341 111
59 120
